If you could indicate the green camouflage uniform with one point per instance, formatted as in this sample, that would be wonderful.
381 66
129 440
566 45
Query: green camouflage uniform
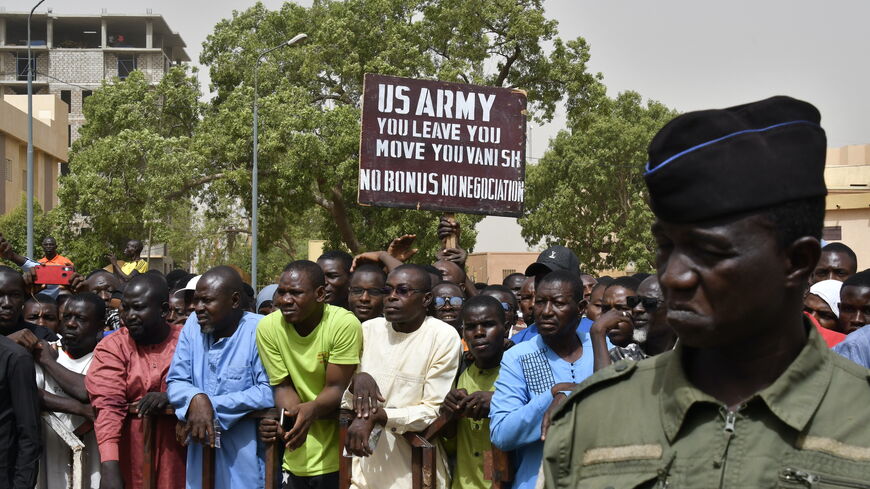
643 424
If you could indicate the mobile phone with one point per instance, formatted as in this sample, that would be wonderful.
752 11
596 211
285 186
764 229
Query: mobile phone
286 422
52 274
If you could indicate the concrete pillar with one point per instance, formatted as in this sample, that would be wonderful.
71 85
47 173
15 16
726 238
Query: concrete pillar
149 34
103 37
2 31
49 32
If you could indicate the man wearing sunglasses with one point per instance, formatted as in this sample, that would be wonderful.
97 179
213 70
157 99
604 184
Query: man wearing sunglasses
366 295
751 396
407 367
650 332
615 323
447 299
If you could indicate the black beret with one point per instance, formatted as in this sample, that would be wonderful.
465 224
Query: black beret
714 163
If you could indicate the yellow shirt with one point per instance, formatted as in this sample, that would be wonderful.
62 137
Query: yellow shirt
139 265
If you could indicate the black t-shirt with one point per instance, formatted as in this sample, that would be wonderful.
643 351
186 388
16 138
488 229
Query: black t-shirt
40 332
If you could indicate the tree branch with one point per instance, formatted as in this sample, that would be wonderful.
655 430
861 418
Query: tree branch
195 183
506 69
339 213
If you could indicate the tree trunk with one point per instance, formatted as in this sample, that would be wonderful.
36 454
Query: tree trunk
339 213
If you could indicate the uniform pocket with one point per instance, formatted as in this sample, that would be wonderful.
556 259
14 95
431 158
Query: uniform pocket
623 480
792 477
623 474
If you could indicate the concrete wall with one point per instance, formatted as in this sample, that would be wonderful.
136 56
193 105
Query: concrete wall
49 141
79 66
491 268
855 225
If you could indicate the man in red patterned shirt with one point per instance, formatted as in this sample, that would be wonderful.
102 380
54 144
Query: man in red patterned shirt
129 366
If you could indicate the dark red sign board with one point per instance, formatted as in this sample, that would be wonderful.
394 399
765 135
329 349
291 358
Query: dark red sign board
442 146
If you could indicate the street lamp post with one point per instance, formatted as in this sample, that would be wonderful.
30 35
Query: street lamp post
30 137
255 177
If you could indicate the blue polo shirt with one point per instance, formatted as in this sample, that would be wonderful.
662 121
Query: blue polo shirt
532 331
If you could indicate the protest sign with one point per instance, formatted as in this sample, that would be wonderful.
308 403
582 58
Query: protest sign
442 146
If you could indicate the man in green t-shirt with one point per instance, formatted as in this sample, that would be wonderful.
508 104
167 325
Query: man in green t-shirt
483 329
310 350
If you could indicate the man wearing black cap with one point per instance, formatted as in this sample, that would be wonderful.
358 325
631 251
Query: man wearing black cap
552 259
751 396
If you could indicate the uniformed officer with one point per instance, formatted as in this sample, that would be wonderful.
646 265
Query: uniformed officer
751 397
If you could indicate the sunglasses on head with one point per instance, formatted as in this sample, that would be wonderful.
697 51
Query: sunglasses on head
453 301
506 306
649 303
401 291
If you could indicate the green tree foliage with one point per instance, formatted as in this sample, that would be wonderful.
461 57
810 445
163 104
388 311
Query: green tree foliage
14 228
130 168
309 97
149 156
588 192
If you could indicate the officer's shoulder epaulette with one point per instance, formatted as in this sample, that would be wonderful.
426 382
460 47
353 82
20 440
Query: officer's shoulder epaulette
616 372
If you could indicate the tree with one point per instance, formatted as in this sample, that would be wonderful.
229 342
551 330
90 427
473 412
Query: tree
588 193
14 228
309 97
130 169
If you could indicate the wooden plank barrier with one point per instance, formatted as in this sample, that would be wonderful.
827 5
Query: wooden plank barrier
273 453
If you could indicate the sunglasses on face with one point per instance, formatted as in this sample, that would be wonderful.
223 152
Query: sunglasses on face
649 303
453 301
401 291
358 291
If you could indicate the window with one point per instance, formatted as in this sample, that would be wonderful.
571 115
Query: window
832 233
66 96
126 64
21 66
85 94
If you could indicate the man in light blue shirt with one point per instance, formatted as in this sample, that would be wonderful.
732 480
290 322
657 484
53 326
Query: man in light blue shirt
534 371
216 378
856 347
554 258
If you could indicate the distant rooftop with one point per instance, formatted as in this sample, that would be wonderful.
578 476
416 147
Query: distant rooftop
123 30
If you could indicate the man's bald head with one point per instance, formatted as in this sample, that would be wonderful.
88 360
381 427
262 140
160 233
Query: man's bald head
224 279
11 277
153 285
451 272
219 301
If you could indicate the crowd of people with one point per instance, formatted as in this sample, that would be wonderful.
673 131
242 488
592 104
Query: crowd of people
733 366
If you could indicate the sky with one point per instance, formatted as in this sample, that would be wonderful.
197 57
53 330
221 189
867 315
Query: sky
686 54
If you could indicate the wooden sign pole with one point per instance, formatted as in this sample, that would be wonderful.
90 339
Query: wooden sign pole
451 241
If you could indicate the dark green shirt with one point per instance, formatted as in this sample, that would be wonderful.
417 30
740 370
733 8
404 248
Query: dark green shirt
643 424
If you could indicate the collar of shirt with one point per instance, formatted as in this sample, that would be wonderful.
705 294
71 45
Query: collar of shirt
793 397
